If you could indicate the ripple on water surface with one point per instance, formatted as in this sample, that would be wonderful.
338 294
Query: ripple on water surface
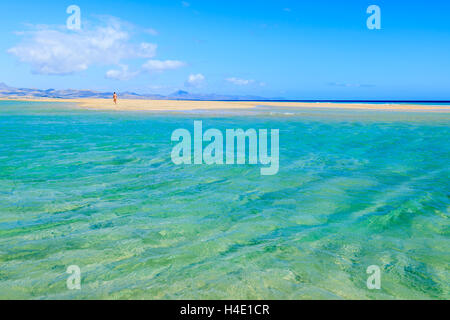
98 190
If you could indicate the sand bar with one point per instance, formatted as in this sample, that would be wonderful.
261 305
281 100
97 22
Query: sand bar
185 105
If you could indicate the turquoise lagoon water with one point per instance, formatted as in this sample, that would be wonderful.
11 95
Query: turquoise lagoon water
99 190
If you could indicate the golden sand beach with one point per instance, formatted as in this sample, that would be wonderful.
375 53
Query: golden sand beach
185 105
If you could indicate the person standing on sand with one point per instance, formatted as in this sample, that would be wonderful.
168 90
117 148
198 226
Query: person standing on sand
115 98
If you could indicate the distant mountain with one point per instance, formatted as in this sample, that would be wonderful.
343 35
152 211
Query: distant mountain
6 91
180 93
3 86
184 95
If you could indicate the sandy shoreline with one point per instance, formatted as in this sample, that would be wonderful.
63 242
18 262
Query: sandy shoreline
185 105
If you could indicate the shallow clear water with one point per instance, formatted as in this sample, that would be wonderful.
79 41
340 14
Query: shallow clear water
99 190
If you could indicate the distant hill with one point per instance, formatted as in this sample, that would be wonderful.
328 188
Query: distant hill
3 86
10 92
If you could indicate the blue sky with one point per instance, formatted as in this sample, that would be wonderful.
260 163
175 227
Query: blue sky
292 49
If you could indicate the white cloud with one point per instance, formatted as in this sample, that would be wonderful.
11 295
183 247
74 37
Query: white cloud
58 51
151 31
147 50
350 85
162 65
122 74
185 4
195 80
239 82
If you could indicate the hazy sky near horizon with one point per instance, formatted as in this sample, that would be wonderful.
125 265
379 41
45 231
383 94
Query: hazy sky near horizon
291 49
